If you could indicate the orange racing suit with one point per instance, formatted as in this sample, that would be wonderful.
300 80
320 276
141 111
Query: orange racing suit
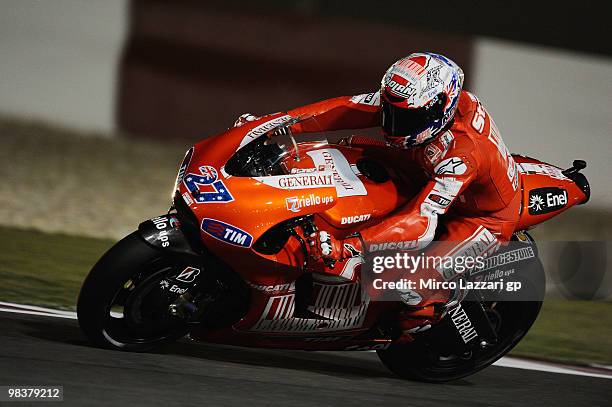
470 177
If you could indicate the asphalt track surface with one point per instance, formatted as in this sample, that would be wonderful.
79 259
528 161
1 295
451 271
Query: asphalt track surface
39 350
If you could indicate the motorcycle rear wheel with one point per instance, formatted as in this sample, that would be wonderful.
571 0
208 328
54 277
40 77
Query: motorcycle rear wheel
418 361
422 361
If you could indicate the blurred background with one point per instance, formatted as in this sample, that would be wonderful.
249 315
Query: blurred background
100 99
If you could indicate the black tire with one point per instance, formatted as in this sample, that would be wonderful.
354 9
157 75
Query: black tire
107 285
422 361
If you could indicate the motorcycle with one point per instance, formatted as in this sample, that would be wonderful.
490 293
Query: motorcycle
229 263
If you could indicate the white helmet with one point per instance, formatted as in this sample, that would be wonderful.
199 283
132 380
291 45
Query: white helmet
419 95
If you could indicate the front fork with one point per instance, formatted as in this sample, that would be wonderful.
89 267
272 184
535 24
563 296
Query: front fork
164 233
205 287
191 305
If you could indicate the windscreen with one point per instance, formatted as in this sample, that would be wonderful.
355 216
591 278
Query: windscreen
270 153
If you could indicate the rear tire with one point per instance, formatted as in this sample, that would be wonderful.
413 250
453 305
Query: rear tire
422 361
419 361
128 276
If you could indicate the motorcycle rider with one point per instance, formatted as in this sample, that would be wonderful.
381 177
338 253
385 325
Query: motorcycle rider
469 174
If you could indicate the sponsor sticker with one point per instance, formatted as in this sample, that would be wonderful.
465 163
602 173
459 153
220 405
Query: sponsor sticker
370 99
226 233
408 68
462 323
505 258
434 82
347 183
305 181
299 180
187 198
480 244
163 224
433 153
288 287
400 87
353 303
188 275
446 139
347 220
541 169
302 170
176 289
183 168
264 128
405 245
451 166
440 200
296 204
545 200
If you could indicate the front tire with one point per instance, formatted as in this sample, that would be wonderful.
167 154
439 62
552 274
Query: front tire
120 305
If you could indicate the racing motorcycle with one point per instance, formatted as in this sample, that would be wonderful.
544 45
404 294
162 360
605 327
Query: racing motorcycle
229 263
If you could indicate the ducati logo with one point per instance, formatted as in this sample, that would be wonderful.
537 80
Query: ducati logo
347 220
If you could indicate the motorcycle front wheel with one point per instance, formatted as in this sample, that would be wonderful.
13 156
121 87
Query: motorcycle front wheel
120 304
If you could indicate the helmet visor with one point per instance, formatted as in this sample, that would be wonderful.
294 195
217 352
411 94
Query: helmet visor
408 123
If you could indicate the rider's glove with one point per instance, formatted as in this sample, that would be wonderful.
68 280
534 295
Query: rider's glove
244 119
325 246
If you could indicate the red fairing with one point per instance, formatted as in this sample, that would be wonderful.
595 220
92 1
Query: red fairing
466 173
546 192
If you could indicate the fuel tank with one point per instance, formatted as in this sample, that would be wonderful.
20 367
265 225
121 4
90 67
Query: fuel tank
367 186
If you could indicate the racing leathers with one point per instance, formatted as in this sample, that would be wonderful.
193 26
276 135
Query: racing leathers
468 175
